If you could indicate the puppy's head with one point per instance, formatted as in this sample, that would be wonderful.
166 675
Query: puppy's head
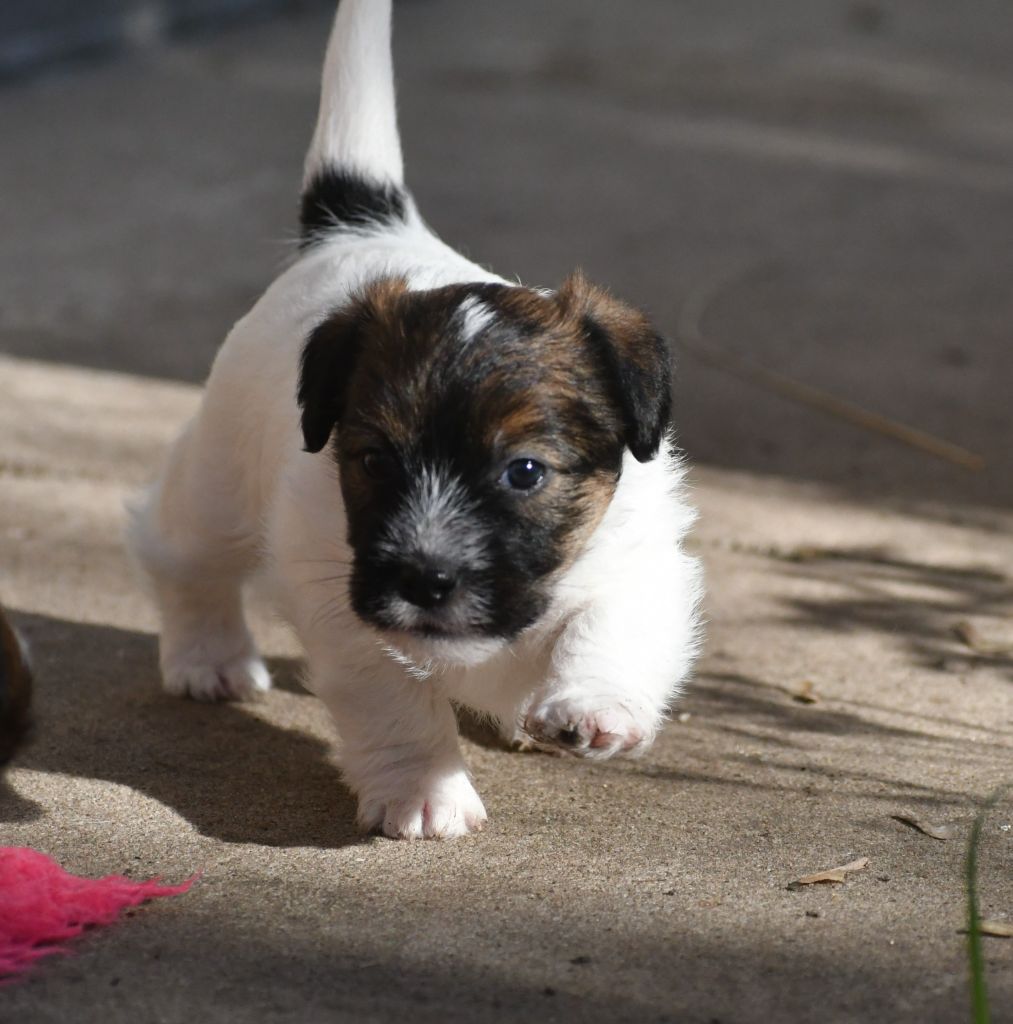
480 435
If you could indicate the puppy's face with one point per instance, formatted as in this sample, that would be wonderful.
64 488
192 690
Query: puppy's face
480 435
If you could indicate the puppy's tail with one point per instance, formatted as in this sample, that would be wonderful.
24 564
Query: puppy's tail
354 173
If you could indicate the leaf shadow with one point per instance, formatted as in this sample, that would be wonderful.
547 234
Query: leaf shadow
918 602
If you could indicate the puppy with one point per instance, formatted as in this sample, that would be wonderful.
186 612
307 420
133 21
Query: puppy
465 489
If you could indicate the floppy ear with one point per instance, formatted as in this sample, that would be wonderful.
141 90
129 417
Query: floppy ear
330 355
634 358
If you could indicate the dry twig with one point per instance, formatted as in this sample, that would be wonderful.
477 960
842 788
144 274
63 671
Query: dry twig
690 335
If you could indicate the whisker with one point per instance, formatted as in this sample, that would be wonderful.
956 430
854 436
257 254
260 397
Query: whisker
339 578
323 561
329 612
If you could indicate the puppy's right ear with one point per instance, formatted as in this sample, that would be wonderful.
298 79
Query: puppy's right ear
328 360
330 354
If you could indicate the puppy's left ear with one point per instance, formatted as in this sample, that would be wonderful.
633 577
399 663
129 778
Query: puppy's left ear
634 358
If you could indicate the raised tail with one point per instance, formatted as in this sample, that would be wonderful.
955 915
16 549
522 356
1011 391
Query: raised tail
354 173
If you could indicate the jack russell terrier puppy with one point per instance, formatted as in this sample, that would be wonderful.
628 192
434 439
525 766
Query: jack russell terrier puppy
465 489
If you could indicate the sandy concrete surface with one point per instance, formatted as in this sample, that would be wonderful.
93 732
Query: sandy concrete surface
840 179
649 890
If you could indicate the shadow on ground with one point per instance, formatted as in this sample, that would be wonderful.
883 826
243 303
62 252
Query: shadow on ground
100 714
373 980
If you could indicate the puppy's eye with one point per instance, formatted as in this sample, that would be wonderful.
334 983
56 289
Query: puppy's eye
523 474
379 465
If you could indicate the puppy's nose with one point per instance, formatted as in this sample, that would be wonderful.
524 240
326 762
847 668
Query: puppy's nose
426 586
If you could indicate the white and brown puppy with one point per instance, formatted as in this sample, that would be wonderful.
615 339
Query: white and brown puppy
465 489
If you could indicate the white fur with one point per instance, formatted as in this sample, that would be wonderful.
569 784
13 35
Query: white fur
475 316
238 491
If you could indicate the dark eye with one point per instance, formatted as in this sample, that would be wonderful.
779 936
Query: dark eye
379 465
523 474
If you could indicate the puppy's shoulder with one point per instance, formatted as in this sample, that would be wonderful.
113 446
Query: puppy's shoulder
644 526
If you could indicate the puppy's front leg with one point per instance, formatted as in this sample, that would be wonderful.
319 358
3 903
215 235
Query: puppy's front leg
593 704
618 664
399 749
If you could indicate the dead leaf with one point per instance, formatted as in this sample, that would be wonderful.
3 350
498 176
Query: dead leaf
941 831
997 929
967 633
805 694
1000 929
831 875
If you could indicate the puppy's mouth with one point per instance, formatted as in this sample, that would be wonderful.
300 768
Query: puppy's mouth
429 646
428 631
455 634
408 623
436 632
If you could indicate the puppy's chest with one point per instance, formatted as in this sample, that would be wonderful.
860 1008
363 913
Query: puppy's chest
503 685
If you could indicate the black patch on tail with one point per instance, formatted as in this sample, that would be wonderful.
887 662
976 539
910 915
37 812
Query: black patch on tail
336 198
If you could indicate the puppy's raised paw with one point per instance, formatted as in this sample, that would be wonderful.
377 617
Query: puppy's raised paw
239 678
589 727
444 809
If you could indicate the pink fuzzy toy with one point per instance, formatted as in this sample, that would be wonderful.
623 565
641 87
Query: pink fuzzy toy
41 905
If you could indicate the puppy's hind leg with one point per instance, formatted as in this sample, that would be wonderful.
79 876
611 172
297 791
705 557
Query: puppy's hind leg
195 536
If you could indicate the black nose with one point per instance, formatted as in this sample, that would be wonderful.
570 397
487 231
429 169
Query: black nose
426 586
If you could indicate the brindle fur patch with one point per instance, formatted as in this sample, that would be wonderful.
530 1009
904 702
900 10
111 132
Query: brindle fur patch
525 386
